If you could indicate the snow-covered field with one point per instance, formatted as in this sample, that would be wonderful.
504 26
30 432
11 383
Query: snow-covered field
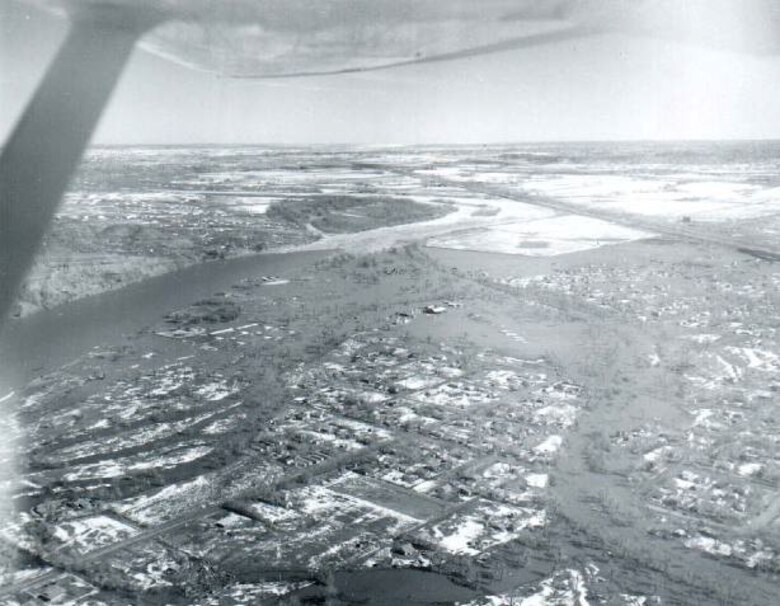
168 502
567 587
87 534
484 526
159 460
544 237
252 593
331 506
668 194
672 198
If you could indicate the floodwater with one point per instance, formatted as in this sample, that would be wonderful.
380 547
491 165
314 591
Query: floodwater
51 338
390 587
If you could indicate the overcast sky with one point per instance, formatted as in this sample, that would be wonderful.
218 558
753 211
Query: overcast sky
611 87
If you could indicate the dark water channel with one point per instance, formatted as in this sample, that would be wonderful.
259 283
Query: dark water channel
48 339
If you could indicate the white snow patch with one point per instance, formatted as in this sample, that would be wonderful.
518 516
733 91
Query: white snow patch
88 534
544 237
702 415
549 446
216 391
537 480
704 339
709 545
417 382
562 414
458 541
115 468
667 199
749 469
758 359
173 499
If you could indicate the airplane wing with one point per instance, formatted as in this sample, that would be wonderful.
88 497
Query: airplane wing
745 26
284 38
249 38
273 38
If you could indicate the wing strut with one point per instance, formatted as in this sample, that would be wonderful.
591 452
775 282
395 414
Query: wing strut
47 143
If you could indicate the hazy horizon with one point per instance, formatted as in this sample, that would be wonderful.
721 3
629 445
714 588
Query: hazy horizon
607 88
448 143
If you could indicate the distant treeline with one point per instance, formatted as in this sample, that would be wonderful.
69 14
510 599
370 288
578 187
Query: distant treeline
345 214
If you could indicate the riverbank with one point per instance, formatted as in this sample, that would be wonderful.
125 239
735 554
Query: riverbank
50 338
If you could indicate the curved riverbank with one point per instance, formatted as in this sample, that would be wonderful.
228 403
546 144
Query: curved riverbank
50 338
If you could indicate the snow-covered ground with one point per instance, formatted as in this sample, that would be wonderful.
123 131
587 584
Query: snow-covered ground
168 502
490 224
543 237
329 505
465 216
251 593
112 468
549 446
567 587
672 198
486 525
87 534
8 471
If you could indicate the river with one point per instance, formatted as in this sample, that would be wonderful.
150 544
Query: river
50 338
